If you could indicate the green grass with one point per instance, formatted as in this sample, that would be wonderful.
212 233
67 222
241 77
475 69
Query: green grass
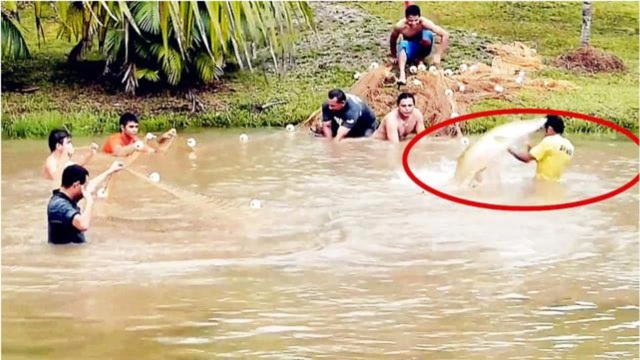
77 99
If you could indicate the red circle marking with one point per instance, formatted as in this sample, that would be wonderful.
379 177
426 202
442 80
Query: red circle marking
467 117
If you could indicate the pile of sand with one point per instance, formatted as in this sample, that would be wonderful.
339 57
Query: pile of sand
590 60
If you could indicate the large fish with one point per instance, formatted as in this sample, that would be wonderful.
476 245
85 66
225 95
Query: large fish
479 156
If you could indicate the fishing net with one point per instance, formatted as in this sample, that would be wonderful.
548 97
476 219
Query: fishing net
136 177
467 85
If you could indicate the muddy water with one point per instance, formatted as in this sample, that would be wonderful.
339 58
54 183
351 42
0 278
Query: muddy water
345 259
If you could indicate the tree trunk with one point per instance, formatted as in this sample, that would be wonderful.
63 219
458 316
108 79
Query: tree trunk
586 23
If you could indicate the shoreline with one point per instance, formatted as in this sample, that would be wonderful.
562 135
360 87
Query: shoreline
237 101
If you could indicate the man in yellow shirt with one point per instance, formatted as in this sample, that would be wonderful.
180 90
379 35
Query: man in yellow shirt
553 154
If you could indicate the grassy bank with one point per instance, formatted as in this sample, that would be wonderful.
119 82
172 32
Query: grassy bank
552 28
350 36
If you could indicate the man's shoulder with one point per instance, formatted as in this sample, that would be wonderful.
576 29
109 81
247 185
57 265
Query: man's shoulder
391 117
400 24
566 143
57 204
556 140
51 159
425 20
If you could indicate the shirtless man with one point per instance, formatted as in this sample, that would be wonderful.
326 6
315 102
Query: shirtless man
402 121
60 159
417 40
61 152
126 142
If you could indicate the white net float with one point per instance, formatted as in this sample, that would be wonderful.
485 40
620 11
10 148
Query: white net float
102 193
154 176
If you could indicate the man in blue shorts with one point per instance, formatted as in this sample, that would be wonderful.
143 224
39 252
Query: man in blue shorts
417 41
346 115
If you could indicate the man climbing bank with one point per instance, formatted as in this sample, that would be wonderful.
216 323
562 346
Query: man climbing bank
417 41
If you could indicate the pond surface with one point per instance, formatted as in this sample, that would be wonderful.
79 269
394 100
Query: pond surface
346 259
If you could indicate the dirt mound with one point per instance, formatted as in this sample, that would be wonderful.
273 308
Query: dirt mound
590 60
440 94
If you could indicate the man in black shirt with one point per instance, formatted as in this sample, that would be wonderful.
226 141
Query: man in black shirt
346 115
67 223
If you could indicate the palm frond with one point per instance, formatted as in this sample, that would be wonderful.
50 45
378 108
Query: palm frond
13 44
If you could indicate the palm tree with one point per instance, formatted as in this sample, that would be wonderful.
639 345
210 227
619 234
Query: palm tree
180 43
13 44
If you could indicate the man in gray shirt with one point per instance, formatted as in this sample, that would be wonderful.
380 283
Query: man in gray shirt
346 115
67 223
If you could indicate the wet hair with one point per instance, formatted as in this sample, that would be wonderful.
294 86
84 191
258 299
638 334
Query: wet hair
555 122
338 95
405 95
127 118
56 137
412 10
73 173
